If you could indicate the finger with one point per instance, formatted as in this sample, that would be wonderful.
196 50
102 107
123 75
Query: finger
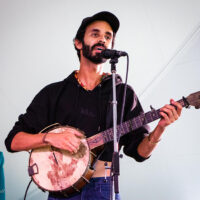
165 117
70 147
78 133
167 110
75 143
69 138
178 106
74 132
171 111
168 116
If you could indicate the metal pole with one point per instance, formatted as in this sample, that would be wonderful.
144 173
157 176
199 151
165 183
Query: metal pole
115 158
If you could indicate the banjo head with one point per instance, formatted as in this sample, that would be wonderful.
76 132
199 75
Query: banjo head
55 169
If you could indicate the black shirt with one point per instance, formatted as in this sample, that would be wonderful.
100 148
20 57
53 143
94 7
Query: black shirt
67 103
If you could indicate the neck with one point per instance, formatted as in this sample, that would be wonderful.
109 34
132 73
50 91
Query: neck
90 73
90 67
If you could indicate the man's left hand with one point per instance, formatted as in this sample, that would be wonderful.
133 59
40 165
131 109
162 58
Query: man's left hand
169 113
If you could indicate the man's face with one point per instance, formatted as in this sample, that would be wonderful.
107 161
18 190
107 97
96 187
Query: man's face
98 36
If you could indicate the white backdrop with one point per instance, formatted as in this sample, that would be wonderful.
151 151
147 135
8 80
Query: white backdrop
162 38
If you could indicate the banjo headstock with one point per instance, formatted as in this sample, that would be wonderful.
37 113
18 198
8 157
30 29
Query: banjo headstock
194 99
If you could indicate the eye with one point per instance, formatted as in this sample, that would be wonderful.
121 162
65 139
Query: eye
107 37
95 34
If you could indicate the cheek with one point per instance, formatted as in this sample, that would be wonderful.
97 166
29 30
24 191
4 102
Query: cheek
109 45
89 42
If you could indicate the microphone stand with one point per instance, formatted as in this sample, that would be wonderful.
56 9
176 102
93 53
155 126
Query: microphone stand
115 158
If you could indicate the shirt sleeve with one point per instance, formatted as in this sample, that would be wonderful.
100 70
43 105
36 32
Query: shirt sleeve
33 120
131 140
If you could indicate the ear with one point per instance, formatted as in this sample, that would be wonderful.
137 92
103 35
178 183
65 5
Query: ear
78 44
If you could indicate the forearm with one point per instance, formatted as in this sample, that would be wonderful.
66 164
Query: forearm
68 139
149 143
169 114
25 141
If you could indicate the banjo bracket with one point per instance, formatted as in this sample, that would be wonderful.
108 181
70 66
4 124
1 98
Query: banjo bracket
33 169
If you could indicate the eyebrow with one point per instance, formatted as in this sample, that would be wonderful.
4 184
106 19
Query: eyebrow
97 30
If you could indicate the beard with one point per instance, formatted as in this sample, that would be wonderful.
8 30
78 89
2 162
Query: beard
87 53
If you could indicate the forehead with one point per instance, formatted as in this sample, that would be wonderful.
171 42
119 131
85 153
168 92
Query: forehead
100 26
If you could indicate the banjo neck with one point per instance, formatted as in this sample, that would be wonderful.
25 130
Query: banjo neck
127 126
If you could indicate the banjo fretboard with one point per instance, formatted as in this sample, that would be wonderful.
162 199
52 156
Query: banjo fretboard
126 127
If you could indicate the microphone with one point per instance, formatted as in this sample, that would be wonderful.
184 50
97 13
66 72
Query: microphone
111 53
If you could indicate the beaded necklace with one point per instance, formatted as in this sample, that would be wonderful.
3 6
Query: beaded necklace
82 85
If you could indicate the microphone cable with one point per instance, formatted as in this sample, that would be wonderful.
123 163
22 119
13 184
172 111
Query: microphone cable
27 189
124 95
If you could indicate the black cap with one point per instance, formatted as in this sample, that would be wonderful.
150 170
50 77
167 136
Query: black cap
104 16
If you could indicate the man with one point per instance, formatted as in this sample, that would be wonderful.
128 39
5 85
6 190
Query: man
82 100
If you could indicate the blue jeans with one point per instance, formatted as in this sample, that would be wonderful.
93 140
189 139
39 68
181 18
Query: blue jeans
97 189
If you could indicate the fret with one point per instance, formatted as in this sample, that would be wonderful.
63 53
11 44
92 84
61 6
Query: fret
136 122
127 123
151 116
120 130
105 137
126 127
133 124
141 120
147 117
110 134
158 114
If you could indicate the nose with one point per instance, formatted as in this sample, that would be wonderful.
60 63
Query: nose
102 39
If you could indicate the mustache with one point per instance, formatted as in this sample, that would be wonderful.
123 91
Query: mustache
98 44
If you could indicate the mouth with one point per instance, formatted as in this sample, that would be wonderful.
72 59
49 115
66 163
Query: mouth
99 49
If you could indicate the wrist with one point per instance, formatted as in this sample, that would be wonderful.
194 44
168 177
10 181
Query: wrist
160 128
152 140
45 139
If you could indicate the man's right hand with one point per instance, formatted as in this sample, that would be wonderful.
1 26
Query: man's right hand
69 140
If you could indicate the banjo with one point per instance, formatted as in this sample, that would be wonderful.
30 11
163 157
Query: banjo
57 170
